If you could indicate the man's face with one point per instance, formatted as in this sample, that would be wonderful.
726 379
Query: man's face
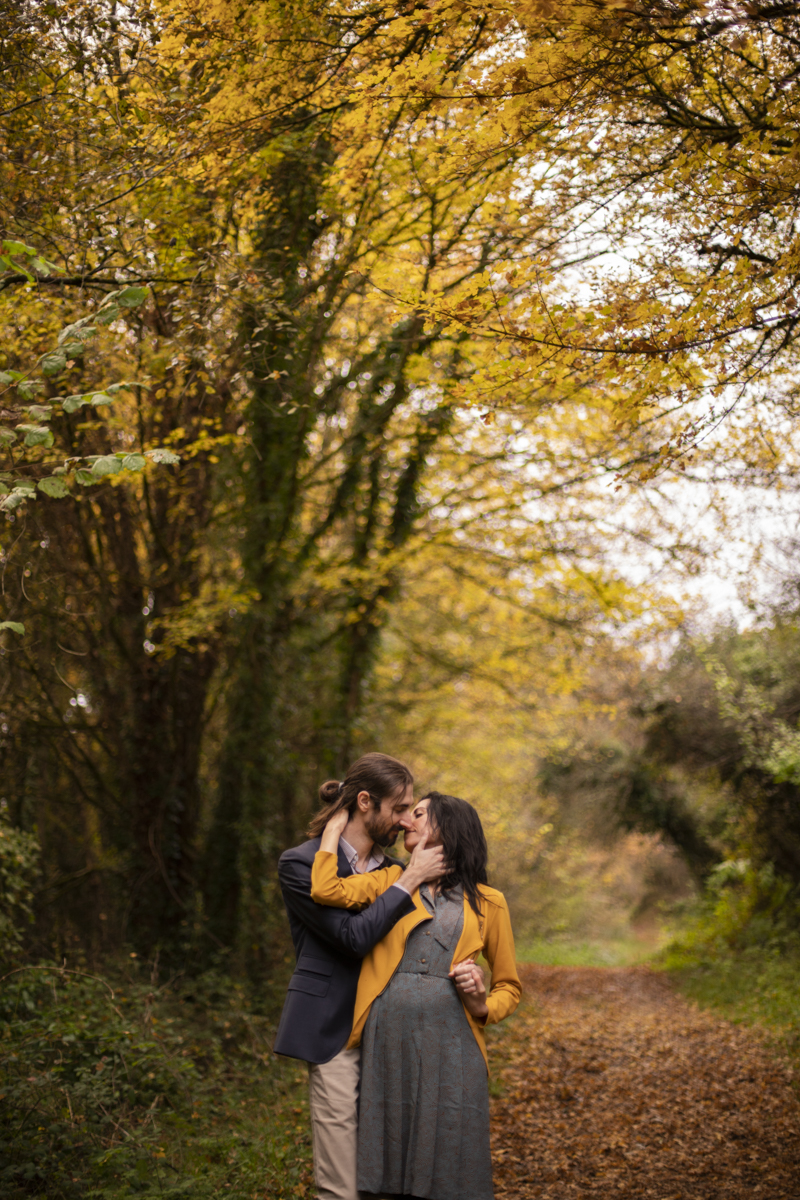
383 824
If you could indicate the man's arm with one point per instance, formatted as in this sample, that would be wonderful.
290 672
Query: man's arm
351 933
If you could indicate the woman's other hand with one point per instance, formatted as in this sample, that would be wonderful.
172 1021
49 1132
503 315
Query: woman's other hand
471 987
334 830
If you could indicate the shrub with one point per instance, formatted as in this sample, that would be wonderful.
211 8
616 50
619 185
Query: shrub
19 868
118 1092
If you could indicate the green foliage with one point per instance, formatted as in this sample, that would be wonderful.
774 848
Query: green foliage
739 952
769 744
18 258
19 870
634 793
27 473
53 486
706 757
141 1090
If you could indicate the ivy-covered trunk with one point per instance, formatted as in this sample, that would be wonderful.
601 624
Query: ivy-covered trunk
252 820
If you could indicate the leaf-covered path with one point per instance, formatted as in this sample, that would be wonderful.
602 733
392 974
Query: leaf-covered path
612 1085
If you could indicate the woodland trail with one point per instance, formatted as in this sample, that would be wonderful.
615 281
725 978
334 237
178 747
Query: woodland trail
613 1085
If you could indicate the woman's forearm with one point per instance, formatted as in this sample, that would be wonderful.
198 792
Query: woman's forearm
352 891
476 1007
333 831
330 839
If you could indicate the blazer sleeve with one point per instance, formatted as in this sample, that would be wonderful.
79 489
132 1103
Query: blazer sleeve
352 933
498 949
352 891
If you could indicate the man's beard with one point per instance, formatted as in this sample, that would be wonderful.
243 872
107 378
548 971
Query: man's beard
382 835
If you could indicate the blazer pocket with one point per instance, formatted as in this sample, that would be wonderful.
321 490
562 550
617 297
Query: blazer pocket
317 966
309 985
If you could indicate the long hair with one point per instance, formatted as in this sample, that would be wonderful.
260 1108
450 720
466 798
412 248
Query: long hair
378 774
463 842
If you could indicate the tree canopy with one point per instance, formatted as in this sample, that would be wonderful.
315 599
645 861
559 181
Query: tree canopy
380 330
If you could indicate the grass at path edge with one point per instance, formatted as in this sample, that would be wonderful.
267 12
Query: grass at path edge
755 981
754 985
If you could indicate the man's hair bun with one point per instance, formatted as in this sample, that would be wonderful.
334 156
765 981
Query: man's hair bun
330 791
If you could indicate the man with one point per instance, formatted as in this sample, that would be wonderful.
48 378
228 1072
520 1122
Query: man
330 944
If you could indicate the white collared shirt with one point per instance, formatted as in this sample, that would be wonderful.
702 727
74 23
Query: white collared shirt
373 862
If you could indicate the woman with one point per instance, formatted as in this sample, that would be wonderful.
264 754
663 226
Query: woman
421 1008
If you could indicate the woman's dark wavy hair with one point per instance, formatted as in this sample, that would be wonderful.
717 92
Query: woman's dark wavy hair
464 844
379 774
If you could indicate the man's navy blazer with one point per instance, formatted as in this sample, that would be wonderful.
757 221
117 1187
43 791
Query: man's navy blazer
330 944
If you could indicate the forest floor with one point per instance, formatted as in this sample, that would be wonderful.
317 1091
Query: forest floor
608 1083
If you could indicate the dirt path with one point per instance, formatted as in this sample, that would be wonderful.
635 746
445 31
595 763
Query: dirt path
614 1086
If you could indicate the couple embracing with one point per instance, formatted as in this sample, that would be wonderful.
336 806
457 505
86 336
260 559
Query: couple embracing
387 1004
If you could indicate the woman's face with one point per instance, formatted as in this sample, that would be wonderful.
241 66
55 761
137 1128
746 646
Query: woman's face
418 824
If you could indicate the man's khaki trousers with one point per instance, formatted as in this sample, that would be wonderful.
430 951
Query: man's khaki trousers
333 1096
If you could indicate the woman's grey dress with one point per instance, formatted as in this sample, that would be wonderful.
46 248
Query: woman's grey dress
423 1126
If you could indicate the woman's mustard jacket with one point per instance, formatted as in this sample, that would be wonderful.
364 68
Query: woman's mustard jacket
489 934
